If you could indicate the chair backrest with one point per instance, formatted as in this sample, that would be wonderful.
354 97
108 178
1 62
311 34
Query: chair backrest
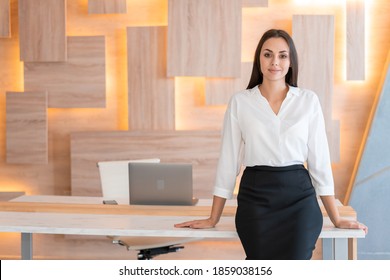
114 178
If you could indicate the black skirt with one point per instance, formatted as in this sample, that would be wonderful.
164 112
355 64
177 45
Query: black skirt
278 216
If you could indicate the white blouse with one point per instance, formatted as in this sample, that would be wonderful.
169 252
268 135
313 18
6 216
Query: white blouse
254 135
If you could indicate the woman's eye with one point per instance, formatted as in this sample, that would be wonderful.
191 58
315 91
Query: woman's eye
267 55
284 56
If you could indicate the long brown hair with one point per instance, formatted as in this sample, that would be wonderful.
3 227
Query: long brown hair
292 74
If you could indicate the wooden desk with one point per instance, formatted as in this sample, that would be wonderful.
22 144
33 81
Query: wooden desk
87 216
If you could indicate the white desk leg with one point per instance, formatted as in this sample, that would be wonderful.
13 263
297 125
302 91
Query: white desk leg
335 248
341 249
26 246
327 248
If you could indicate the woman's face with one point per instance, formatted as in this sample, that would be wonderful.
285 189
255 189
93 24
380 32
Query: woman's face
275 59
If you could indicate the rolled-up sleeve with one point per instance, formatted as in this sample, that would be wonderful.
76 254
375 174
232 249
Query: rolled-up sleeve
318 161
230 159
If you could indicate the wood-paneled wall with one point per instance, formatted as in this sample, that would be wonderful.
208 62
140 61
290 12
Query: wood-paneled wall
27 128
254 3
355 40
151 92
200 148
107 6
80 82
204 38
42 30
107 110
5 21
219 91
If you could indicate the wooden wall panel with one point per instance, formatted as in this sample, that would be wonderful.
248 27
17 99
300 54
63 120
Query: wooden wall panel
201 148
5 18
107 7
151 94
204 38
219 91
42 30
79 82
26 114
255 3
355 40
314 37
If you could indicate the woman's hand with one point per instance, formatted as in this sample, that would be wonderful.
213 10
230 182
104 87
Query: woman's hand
216 211
343 223
331 208
206 223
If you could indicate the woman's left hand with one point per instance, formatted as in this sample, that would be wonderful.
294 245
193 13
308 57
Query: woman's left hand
352 224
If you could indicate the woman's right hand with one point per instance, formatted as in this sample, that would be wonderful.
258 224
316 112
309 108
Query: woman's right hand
206 223
216 211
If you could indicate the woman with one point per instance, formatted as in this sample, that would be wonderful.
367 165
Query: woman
273 128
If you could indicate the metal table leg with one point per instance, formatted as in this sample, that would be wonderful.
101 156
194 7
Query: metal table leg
335 248
341 249
26 246
327 249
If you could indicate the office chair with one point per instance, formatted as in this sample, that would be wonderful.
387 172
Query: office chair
114 178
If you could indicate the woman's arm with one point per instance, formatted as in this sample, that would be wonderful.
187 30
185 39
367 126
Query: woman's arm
216 212
330 206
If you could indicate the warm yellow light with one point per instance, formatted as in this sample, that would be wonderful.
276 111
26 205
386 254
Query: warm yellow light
318 2
325 2
189 93
14 187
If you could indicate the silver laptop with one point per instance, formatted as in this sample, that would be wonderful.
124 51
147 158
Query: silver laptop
160 184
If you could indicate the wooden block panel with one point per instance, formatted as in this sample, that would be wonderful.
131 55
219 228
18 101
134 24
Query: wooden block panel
78 83
355 40
151 94
42 30
201 148
255 3
26 131
314 40
204 38
107 7
219 91
5 18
